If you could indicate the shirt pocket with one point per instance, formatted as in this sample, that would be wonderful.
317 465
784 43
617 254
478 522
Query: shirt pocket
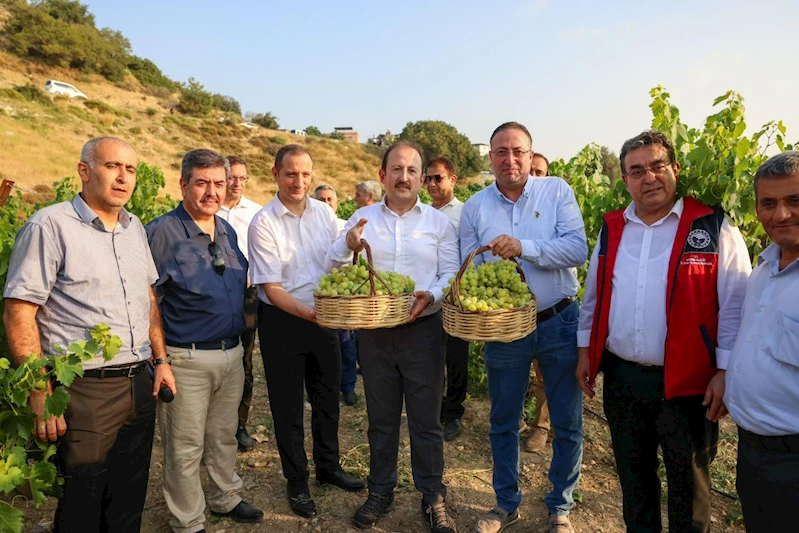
788 346
194 270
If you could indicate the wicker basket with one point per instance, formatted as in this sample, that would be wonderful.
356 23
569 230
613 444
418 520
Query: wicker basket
498 325
364 312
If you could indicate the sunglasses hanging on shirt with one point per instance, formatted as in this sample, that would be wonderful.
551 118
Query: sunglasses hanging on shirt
218 259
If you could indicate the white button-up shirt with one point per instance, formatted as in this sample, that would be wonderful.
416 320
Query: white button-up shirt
763 373
546 220
420 243
290 249
637 321
239 216
453 211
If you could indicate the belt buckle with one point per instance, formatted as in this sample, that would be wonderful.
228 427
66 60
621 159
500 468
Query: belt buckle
130 371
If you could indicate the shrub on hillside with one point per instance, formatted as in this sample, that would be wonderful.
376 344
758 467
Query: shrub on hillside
228 104
102 107
337 136
194 99
29 93
149 74
313 131
266 120
277 139
151 111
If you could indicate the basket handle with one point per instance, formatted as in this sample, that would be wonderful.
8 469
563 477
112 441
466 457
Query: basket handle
373 274
456 285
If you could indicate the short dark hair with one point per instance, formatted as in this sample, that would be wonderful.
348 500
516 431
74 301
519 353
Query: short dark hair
409 144
511 126
542 156
202 158
290 149
782 165
236 160
646 138
445 162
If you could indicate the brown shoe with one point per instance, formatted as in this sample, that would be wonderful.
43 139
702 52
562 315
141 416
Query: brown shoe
560 524
536 441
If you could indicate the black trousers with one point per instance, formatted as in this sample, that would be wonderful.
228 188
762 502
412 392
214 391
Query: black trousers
768 481
300 352
640 419
248 342
457 378
105 454
407 362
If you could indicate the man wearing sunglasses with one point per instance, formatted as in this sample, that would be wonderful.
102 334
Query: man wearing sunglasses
440 182
201 290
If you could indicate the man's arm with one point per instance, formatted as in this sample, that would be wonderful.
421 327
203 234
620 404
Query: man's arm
469 239
586 323
281 299
19 319
163 372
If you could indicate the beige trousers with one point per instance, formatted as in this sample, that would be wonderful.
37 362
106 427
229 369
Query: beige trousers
541 408
200 424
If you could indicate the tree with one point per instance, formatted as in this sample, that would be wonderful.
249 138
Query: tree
441 139
228 104
313 130
266 120
149 74
611 167
194 99
338 136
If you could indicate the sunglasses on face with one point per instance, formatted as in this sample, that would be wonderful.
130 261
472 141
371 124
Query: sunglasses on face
218 259
437 177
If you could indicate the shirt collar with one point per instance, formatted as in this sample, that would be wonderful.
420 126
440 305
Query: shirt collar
88 215
676 209
528 187
771 255
417 206
241 203
191 227
281 210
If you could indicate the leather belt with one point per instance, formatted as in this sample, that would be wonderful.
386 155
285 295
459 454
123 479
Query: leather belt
224 344
125 371
786 443
546 314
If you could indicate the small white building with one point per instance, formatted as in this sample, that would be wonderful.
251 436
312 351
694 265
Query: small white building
483 149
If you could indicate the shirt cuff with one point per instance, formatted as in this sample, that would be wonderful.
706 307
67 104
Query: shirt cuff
583 338
341 253
530 251
722 358
265 278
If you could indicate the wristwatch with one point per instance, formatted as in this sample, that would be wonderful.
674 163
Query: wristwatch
432 298
161 361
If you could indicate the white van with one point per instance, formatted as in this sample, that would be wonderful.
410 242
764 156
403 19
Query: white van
59 87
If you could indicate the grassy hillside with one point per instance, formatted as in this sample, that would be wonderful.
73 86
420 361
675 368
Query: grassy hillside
41 141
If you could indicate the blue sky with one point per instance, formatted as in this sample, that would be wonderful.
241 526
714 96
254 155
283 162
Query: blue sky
573 72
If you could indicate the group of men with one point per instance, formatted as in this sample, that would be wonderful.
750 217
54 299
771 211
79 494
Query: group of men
669 280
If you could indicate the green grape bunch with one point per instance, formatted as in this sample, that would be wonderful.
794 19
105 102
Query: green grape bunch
491 286
353 280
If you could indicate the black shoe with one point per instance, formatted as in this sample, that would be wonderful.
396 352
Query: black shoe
246 443
435 515
376 505
342 480
244 513
300 501
452 429
350 398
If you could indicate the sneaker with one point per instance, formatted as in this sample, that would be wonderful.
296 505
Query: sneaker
559 524
536 441
436 516
376 505
350 398
452 429
246 443
495 520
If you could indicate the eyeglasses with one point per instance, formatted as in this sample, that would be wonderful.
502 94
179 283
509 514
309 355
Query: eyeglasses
503 153
658 169
237 178
216 255
437 177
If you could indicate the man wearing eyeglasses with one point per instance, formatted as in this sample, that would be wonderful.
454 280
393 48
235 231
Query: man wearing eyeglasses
536 222
661 311
288 241
239 211
440 182
201 289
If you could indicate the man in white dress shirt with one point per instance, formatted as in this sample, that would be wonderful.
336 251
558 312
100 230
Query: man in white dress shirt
288 240
239 212
440 182
763 378
406 361
660 314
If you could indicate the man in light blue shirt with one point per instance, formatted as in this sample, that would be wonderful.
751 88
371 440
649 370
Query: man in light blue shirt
762 393
537 222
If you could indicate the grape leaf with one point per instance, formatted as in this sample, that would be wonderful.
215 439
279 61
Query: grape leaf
56 403
10 519
65 371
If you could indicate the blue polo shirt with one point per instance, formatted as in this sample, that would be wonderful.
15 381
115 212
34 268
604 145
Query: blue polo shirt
197 304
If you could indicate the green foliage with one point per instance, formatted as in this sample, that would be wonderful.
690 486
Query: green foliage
441 139
149 74
228 104
266 120
194 99
29 93
62 33
313 131
337 136
425 197
102 107
277 139
610 164
346 209
151 111
145 202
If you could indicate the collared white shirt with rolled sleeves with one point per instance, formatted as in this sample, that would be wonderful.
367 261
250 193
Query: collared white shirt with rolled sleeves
762 393
240 216
637 320
421 244
546 220
290 249
453 210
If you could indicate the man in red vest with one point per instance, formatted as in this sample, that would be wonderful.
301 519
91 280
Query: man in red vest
660 314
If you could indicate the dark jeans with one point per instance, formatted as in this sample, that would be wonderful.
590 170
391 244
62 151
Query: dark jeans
248 342
768 481
640 419
457 378
300 353
349 359
105 454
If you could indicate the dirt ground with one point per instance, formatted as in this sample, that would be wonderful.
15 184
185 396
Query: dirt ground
467 475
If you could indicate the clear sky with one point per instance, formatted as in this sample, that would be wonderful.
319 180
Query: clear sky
574 72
